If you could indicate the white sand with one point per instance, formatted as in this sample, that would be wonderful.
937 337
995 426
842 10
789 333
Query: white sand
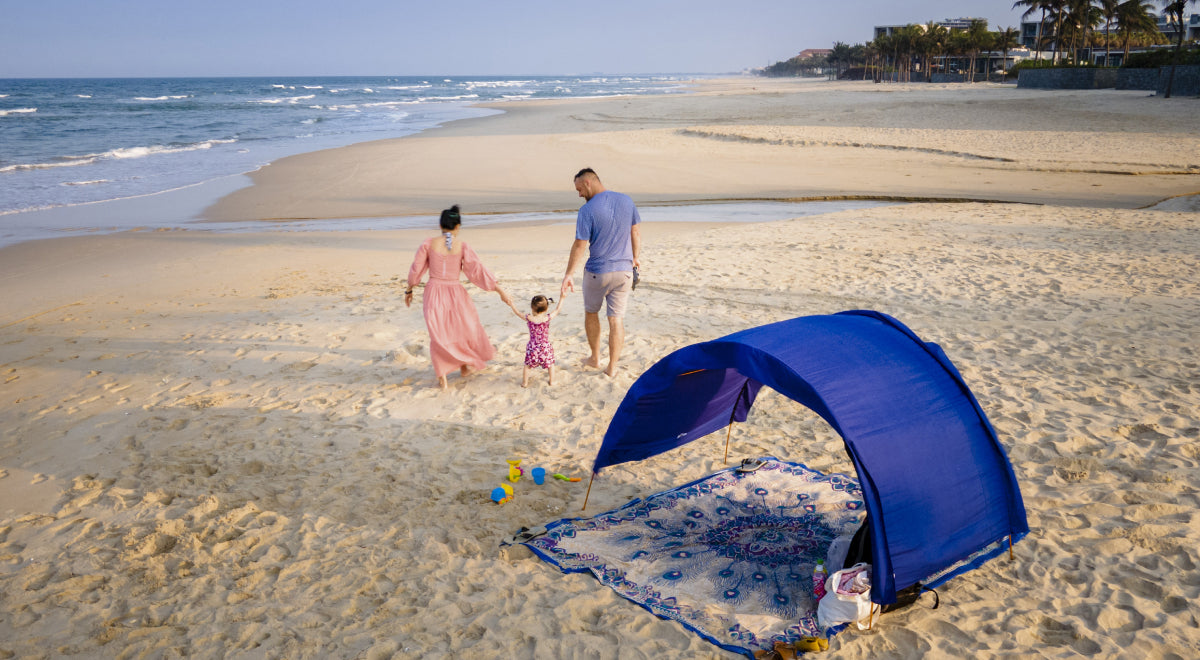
230 445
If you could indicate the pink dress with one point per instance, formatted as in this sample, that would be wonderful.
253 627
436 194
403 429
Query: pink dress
456 337
539 352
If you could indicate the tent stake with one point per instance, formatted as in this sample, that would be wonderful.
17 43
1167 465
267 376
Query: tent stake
727 434
589 493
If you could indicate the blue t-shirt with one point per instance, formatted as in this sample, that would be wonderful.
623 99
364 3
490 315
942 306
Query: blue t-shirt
605 222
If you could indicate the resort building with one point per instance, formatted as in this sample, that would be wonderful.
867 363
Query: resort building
949 24
809 53
1170 30
1166 25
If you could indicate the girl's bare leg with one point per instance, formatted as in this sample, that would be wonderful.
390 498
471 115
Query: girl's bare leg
551 370
525 377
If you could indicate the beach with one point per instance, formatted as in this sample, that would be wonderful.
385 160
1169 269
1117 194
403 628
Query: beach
232 445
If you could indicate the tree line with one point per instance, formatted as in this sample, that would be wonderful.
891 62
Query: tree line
1069 28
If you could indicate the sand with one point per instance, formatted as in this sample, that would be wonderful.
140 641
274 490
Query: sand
230 445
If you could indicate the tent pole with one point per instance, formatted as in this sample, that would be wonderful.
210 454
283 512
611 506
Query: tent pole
589 492
1010 552
727 434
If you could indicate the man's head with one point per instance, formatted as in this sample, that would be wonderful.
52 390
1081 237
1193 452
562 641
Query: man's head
587 183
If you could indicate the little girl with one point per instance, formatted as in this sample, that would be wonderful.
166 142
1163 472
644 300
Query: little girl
538 352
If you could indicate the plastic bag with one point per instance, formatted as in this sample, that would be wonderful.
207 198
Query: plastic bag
847 598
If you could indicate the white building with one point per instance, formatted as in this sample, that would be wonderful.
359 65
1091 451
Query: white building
949 24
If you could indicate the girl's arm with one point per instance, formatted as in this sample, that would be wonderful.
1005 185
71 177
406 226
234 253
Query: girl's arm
516 311
557 306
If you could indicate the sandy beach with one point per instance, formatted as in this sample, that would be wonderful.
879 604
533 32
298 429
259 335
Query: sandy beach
231 445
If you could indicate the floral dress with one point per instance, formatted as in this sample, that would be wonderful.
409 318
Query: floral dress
539 352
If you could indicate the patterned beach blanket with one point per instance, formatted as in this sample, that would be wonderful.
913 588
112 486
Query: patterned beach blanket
729 556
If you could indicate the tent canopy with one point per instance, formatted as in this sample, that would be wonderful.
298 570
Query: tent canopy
937 485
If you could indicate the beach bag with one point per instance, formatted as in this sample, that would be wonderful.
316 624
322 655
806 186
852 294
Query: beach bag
847 598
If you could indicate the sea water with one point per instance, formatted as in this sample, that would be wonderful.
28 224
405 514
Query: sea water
74 141
68 144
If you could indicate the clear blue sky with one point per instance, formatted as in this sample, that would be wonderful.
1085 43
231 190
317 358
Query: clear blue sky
68 38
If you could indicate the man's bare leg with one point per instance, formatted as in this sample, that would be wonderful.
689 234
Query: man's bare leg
616 339
591 325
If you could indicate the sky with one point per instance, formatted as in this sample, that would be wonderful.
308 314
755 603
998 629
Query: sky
151 38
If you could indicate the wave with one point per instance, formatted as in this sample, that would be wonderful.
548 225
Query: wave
460 97
472 84
3 96
284 99
125 153
162 98
86 183
83 96
387 104
17 111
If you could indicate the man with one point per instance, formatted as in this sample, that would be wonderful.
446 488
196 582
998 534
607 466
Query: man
606 229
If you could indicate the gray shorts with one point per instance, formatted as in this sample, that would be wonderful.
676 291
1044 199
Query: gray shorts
612 288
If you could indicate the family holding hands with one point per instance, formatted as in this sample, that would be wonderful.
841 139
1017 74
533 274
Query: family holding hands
607 243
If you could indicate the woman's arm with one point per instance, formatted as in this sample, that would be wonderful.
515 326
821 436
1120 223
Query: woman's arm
419 265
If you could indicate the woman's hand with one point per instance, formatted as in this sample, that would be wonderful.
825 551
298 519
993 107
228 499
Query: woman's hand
408 298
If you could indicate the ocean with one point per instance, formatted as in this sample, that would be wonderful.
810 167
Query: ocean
67 145
74 141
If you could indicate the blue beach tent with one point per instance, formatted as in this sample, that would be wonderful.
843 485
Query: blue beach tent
939 491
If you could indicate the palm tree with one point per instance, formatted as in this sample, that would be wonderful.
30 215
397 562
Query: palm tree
977 39
1109 10
839 56
870 52
1080 17
1135 17
931 44
907 40
1005 40
883 46
1034 6
1175 9
1058 10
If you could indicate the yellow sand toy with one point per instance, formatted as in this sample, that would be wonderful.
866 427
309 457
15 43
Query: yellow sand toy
515 470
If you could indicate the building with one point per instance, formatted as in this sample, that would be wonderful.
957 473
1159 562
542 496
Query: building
1032 30
1166 25
809 53
1029 31
949 24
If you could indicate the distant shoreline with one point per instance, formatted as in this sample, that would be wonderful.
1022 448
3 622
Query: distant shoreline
751 139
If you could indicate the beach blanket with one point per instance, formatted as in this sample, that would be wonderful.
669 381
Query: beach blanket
729 556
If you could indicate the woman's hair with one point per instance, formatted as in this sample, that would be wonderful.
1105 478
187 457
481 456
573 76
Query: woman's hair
450 218
540 304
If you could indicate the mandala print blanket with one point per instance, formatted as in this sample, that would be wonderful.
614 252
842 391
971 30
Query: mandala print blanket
729 556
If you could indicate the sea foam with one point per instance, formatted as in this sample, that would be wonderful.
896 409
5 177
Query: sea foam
17 111
115 154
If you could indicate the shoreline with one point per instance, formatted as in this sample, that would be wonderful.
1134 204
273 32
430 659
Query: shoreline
767 133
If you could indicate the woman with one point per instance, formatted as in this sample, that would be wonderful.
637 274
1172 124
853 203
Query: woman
456 337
